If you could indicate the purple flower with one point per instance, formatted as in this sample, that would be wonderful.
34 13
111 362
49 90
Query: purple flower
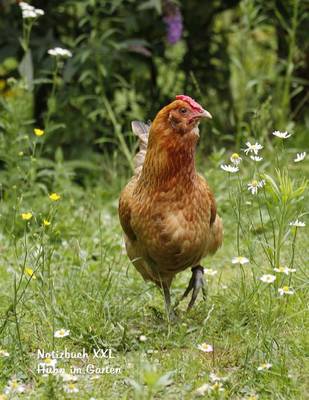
173 21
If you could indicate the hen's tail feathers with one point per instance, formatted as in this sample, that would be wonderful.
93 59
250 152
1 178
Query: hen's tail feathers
141 130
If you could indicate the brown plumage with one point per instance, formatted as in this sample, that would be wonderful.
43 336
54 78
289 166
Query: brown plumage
167 210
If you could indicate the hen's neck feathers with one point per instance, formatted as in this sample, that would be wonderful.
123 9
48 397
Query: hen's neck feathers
170 158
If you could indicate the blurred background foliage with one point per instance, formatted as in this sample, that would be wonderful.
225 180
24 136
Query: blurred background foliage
245 61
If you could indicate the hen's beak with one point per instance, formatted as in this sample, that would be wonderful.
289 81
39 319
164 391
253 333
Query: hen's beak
205 114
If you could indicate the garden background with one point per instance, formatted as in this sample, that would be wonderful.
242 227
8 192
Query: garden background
66 151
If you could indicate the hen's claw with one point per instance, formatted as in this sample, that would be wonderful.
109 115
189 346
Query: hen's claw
196 284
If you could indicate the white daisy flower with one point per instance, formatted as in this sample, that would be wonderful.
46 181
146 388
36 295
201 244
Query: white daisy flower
217 387
215 378
264 367
59 52
14 386
254 185
253 148
150 351
143 338
71 388
62 333
4 353
68 377
285 270
267 278
282 135
300 157
256 158
240 260
48 362
297 223
285 290
229 168
206 348
235 159
209 271
206 388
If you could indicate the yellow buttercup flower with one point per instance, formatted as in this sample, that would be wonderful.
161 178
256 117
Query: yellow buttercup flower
26 216
54 196
46 222
38 132
30 272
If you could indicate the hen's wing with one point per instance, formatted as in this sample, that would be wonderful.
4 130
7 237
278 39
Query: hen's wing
141 130
136 254
125 205
213 207
215 236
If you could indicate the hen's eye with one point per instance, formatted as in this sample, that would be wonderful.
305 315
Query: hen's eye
183 110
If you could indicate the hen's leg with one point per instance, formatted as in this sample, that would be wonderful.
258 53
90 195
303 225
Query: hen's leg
167 298
196 284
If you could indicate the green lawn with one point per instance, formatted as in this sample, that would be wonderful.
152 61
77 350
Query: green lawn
85 284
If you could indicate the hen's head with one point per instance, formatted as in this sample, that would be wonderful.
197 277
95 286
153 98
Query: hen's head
172 139
182 115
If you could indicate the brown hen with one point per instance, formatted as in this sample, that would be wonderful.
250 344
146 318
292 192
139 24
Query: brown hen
167 210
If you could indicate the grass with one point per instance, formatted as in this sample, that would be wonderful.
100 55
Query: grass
85 283
72 272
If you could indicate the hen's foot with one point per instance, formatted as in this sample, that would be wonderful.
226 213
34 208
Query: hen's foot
196 284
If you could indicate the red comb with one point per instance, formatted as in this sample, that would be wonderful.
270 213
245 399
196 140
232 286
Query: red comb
190 101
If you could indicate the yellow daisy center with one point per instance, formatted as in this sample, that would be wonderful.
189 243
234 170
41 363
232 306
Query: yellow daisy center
14 384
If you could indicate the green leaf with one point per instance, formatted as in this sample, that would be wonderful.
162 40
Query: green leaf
156 4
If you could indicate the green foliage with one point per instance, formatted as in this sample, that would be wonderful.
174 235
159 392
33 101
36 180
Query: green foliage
83 282
241 59
62 261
